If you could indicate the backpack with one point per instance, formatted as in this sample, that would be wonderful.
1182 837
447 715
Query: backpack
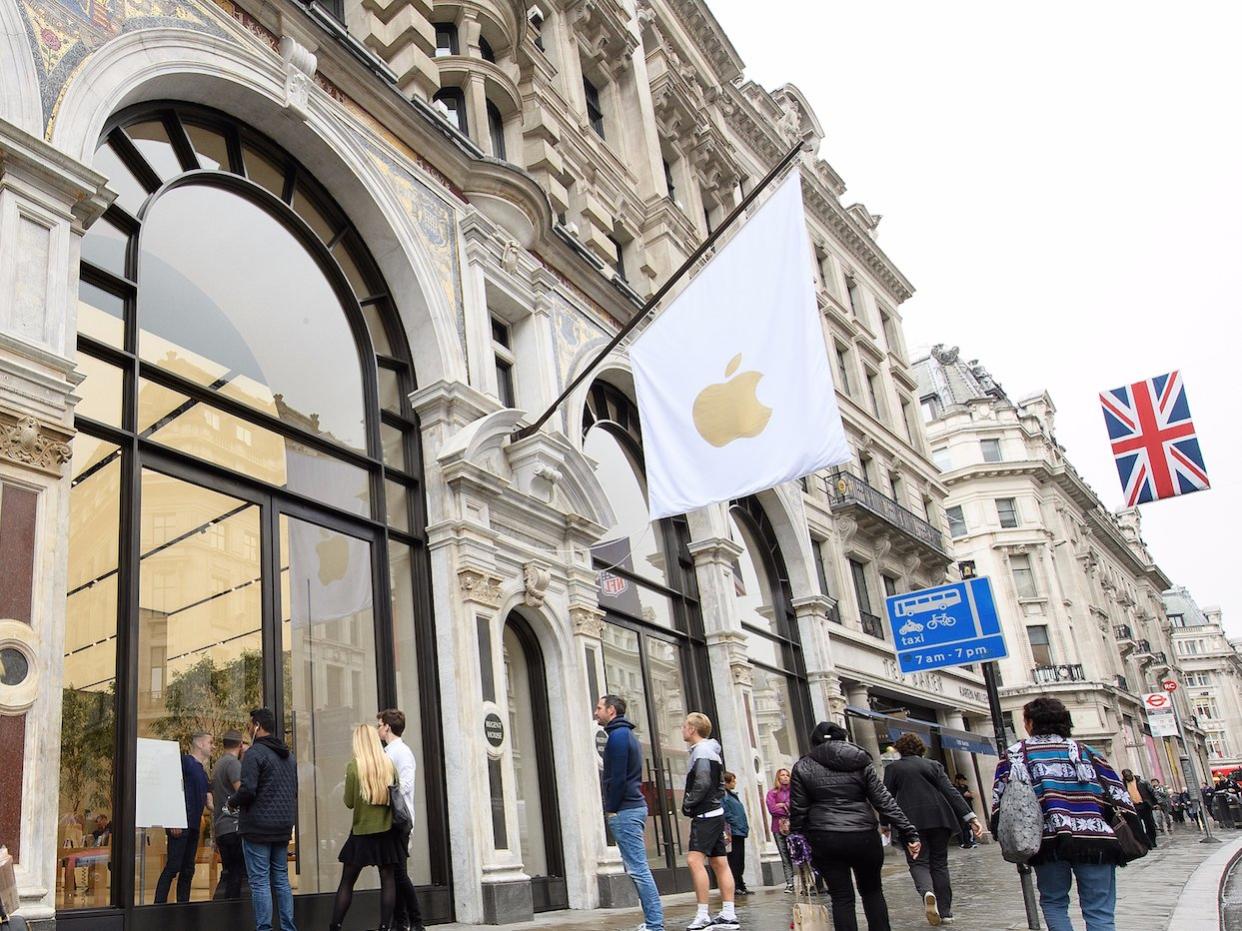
1020 820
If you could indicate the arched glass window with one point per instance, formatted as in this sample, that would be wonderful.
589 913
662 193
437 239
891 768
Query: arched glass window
246 513
780 716
654 654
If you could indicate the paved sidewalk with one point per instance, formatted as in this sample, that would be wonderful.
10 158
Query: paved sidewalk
987 896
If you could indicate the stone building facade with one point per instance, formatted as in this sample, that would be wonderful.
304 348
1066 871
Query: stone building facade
1079 591
1211 677
278 283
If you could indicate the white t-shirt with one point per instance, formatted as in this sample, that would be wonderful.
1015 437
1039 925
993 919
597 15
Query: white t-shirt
403 760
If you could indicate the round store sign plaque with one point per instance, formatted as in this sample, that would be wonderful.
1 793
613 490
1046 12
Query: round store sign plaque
494 729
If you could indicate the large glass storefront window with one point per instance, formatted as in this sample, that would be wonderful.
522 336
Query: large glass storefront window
246 478
654 656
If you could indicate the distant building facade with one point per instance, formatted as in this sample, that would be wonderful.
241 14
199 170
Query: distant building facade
1079 593
1211 676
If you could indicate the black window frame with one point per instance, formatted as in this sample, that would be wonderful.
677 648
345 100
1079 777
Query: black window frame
594 109
496 131
452 44
138 454
457 115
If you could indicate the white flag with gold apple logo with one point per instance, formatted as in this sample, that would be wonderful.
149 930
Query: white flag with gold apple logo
734 389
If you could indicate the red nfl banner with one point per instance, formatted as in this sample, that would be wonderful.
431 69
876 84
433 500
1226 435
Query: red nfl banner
1154 441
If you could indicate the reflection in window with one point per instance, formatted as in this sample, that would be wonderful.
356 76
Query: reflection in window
453 102
151 139
199 656
330 685
229 300
632 543
526 764
88 698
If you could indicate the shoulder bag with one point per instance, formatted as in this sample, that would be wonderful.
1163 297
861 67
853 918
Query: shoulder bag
1020 820
402 817
1132 847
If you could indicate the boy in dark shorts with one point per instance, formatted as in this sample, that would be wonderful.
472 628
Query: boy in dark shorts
703 804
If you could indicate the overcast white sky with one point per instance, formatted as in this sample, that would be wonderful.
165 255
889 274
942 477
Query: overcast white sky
1063 185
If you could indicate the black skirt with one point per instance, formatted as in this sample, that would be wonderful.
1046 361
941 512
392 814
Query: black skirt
374 849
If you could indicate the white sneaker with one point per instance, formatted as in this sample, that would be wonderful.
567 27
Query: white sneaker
932 909
699 923
720 923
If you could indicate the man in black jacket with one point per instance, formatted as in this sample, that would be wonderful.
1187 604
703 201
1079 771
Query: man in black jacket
625 807
1144 803
923 791
703 804
267 800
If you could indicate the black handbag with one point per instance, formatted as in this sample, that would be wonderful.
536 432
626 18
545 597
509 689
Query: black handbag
1133 847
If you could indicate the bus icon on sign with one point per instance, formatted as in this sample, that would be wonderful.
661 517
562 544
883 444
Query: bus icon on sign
921 604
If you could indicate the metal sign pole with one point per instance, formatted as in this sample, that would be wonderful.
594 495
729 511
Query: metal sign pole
1207 837
998 727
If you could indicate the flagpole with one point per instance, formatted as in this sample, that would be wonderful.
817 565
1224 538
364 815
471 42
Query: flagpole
655 299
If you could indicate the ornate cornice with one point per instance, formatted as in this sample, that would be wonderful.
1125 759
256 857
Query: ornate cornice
699 22
28 442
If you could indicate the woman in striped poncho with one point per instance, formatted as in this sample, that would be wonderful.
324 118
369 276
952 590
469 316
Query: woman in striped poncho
1074 785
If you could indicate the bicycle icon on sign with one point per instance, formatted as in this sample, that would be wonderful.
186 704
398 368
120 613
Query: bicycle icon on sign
941 620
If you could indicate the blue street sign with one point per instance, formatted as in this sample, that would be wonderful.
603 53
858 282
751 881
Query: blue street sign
950 625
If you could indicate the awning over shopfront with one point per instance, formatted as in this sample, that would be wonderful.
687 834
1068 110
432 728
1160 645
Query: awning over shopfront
966 741
951 739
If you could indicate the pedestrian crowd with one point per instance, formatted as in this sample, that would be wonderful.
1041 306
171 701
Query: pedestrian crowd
252 794
1057 805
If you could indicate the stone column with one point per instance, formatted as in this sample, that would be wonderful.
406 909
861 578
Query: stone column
731 680
47 201
857 695
962 763
827 702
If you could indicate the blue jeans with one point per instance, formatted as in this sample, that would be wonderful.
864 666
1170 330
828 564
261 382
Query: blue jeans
267 867
1097 894
627 828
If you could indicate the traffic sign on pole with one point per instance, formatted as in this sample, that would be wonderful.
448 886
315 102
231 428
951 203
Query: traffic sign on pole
1169 685
949 625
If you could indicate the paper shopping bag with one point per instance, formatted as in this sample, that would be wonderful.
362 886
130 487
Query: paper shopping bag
811 917
8 883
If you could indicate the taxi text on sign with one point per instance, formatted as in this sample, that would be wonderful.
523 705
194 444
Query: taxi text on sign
949 625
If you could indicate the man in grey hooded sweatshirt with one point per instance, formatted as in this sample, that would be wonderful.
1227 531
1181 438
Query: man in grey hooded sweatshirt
703 804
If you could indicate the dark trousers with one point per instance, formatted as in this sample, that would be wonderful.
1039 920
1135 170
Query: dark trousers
232 866
931 870
1149 823
407 910
737 860
835 855
180 863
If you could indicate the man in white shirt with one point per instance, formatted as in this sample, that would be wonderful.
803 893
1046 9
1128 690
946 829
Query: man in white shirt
407 916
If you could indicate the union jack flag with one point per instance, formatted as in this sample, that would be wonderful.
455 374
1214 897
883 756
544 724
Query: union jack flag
1154 441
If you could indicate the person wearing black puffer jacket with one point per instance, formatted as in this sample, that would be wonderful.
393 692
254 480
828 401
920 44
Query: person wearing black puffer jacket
267 800
832 801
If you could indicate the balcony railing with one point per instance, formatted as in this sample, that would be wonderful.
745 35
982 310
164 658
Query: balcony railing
872 625
1067 672
1144 646
1161 658
1123 632
1122 683
845 489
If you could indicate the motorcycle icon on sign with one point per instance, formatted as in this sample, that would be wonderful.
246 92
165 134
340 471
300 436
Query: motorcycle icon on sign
910 627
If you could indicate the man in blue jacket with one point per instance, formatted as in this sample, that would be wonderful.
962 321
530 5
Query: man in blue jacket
624 805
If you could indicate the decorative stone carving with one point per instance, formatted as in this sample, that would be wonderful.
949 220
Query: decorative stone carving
535 578
27 442
479 587
509 258
300 65
587 620
846 528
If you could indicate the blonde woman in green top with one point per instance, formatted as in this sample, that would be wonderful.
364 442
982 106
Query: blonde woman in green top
372 841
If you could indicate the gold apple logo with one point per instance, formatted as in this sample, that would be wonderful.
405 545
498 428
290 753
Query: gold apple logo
333 552
730 411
